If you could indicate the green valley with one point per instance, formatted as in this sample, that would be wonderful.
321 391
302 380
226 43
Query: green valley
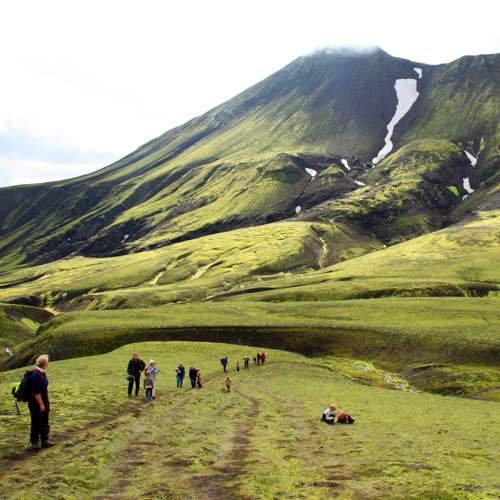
308 216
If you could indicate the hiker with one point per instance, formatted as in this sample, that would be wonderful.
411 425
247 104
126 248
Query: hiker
262 358
148 385
246 360
258 358
343 418
228 383
332 415
153 371
328 415
224 362
193 373
39 404
199 379
180 373
135 366
237 366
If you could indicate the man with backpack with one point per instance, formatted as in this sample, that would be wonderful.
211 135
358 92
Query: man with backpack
35 386
135 366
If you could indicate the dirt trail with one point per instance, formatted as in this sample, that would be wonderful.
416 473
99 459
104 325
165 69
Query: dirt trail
221 481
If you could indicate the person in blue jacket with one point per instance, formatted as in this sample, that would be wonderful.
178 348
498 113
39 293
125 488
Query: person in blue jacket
180 373
39 404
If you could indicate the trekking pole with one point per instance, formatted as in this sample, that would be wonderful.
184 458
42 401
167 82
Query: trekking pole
17 408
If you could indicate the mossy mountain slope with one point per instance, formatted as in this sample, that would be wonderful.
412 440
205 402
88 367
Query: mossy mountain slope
243 163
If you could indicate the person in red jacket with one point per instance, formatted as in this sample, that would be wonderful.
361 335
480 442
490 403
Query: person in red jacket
262 358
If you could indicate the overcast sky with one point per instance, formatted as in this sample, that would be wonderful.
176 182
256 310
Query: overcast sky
83 83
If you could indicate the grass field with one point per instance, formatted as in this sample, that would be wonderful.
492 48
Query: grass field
413 335
263 440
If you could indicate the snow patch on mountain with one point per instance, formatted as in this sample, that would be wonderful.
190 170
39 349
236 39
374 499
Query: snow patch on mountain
298 209
472 159
467 185
407 94
311 172
344 162
359 183
419 72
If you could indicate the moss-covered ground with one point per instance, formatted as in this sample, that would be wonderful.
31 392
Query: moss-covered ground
262 440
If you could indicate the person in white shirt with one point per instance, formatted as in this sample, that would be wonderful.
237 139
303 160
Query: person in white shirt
329 414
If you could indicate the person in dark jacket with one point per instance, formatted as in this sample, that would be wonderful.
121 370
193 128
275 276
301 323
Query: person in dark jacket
39 404
135 366
224 361
193 373
180 372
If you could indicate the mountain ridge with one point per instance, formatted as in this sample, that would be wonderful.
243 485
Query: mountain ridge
194 179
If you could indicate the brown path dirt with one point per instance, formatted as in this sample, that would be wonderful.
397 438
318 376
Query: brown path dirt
222 482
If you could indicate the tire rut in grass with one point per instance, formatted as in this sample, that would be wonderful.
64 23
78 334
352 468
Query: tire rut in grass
135 452
222 480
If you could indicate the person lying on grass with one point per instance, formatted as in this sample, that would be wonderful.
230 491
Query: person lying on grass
332 415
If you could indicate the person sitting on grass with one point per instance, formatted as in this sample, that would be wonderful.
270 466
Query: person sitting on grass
328 415
332 415
228 383
148 385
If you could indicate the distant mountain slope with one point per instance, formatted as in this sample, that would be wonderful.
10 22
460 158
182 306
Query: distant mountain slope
281 262
275 149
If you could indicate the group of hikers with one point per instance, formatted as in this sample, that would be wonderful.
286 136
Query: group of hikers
33 389
136 366
259 359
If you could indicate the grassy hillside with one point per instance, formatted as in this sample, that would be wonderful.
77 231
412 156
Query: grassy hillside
462 260
185 271
408 194
278 262
17 324
262 440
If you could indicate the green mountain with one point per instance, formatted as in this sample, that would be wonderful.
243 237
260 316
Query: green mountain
243 163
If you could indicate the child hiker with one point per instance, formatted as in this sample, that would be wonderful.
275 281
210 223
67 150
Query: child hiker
149 386
228 383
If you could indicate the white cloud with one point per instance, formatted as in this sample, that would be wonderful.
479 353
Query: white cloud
26 171
108 76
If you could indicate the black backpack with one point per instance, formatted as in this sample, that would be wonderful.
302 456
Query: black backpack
22 391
